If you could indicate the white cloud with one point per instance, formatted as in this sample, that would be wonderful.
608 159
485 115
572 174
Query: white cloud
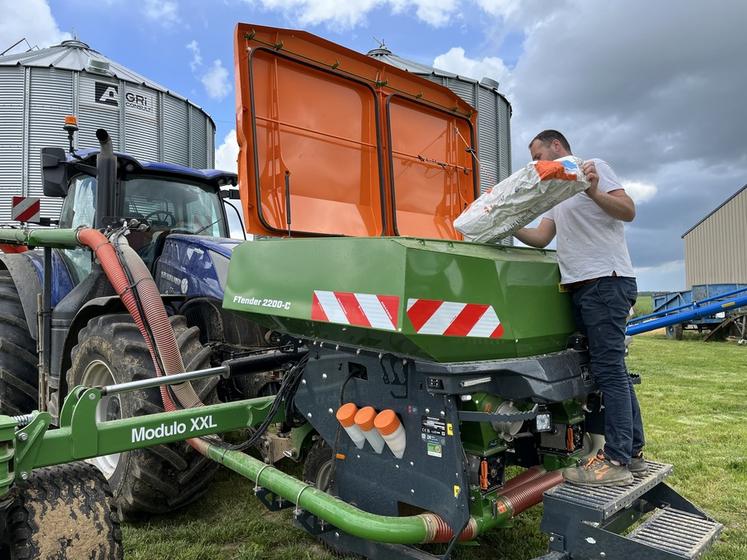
165 12
640 191
457 62
31 19
216 81
194 48
227 153
351 13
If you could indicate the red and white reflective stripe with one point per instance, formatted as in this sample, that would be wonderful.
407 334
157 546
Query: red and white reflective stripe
26 209
451 318
363 310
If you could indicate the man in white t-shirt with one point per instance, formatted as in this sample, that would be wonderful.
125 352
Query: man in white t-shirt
595 267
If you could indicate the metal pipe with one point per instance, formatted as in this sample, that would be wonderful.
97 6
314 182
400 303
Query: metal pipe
55 238
172 379
415 529
683 317
687 305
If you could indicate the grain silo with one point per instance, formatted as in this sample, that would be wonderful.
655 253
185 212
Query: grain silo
39 87
493 113
716 246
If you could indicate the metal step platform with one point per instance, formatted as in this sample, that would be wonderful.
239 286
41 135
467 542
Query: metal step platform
683 534
586 522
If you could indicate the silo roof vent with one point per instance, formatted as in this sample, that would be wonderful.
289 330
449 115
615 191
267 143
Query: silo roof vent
98 66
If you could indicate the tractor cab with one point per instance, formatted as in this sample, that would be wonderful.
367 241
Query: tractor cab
162 199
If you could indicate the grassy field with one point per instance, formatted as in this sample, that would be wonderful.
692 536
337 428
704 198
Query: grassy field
694 401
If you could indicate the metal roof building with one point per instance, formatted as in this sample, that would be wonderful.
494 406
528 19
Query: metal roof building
716 247
145 119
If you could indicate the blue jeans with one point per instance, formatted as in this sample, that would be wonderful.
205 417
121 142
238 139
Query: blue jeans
601 311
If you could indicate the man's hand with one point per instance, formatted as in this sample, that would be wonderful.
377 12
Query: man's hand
590 171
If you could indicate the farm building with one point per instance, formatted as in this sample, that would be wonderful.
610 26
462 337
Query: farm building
716 247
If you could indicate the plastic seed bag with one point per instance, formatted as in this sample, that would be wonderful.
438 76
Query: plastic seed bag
520 198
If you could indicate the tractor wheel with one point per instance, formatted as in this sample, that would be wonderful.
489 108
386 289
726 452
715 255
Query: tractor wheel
156 479
19 376
64 513
675 331
317 469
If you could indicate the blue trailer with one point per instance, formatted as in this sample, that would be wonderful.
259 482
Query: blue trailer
719 309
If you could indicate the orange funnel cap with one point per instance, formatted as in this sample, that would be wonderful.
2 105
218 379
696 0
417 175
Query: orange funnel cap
386 422
365 418
346 414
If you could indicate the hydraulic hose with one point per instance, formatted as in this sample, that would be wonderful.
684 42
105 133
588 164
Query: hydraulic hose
151 303
115 272
415 529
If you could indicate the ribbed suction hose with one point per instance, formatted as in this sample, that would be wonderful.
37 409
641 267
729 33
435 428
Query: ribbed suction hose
155 313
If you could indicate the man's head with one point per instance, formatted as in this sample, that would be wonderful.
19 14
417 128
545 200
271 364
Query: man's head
549 145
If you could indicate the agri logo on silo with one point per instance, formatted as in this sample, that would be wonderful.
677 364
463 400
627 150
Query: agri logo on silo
108 94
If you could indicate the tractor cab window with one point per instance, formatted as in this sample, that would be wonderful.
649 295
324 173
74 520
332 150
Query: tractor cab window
176 206
168 206
78 209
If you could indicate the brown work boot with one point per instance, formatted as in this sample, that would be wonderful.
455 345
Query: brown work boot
638 464
599 471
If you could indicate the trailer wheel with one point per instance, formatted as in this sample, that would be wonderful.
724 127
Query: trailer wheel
19 376
156 479
64 513
675 331
317 469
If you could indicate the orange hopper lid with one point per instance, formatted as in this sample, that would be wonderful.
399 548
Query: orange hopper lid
365 418
386 422
346 414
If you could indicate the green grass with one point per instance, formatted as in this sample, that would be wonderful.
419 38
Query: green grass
694 400
643 305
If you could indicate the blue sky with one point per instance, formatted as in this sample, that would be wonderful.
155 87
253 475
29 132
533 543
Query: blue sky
654 88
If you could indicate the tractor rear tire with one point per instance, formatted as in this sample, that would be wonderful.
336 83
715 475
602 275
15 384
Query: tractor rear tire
156 479
19 375
64 513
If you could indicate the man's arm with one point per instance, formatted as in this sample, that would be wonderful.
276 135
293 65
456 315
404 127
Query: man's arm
615 203
537 237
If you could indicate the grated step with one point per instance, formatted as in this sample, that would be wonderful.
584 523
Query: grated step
677 532
609 499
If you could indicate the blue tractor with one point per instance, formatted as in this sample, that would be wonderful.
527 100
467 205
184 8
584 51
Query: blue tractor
72 329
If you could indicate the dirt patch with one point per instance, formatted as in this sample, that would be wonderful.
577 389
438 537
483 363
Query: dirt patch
68 526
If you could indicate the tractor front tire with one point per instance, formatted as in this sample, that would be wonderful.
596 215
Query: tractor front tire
156 479
19 376
64 513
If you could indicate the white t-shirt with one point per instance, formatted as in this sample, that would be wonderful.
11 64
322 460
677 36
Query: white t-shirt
590 242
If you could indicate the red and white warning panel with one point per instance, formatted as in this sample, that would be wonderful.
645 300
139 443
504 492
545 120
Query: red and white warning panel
26 209
362 310
451 318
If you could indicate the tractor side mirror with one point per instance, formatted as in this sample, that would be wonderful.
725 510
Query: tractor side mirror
231 194
54 172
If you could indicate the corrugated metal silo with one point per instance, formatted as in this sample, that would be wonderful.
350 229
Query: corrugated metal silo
39 87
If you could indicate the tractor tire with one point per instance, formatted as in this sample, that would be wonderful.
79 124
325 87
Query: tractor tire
19 375
317 469
64 513
674 332
156 479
